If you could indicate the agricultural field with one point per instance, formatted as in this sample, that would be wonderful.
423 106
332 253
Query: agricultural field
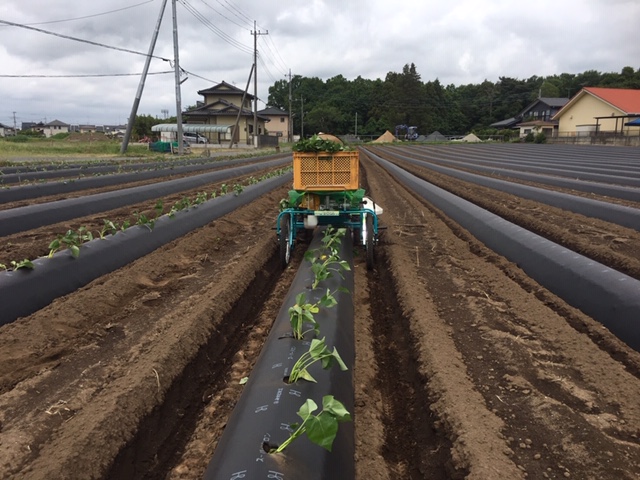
470 362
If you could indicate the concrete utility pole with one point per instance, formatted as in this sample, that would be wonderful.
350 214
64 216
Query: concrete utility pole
177 68
136 101
255 34
301 118
290 139
244 94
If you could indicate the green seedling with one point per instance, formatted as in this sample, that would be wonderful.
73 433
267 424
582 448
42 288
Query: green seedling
201 198
322 428
318 352
223 189
142 219
109 228
237 189
324 266
26 264
159 206
303 312
182 204
71 240
325 260
332 237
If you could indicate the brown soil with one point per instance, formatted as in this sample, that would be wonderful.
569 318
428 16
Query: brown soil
465 367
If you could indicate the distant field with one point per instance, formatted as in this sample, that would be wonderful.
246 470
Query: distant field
21 147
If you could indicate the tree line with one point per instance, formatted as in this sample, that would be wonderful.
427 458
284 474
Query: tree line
340 106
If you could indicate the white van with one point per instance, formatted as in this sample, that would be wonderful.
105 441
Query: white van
195 138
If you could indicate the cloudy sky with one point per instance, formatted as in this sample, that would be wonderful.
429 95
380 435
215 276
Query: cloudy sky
45 75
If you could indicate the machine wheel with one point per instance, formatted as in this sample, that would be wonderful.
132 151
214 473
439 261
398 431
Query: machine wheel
285 244
369 243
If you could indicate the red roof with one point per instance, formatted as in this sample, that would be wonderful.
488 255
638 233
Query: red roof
626 99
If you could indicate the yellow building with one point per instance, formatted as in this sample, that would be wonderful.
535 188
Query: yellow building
597 110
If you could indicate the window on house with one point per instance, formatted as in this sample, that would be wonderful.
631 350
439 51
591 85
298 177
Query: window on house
281 119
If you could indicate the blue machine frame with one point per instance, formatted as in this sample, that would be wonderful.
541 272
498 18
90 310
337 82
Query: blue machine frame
363 222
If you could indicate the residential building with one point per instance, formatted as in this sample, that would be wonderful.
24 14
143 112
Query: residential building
53 128
33 126
599 110
223 105
278 123
6 131
540 111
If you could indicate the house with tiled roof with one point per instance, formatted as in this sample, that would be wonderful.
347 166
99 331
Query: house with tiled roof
223 104
599 110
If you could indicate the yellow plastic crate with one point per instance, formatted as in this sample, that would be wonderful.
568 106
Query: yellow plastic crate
324 171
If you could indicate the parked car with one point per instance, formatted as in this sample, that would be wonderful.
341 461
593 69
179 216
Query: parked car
195 138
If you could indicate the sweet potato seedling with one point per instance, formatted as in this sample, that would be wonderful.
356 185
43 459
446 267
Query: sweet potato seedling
322 428
25 264
71 240
303 312
109 228
325 260
318 352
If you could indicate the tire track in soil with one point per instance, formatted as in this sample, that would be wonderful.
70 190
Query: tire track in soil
410 443
413 447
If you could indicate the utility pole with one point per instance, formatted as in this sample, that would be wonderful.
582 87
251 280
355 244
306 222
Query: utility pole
136 101
290 139
244 94
177 68
14 123
255 34
301 118
356 124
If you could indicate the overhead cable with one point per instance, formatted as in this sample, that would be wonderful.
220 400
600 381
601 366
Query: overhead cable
97 44
88 75
91 16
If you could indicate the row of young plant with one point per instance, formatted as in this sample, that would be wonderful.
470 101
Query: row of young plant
70 180
113 169
322 427
73 239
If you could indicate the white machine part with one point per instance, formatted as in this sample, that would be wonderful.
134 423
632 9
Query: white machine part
371 205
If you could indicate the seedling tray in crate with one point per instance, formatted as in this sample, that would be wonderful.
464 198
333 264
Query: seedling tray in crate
325 171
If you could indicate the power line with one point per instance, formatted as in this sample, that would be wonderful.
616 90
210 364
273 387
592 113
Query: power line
230 40
198 76
266 69
89 75
92 16
282 66
224 16
126 50
233 10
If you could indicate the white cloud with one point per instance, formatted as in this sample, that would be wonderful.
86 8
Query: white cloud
457 42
